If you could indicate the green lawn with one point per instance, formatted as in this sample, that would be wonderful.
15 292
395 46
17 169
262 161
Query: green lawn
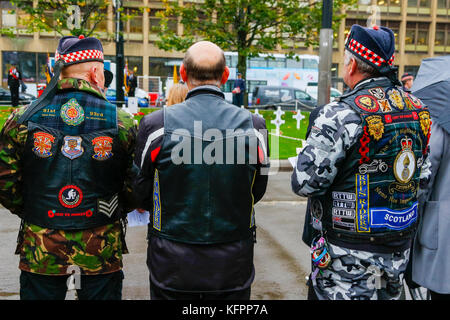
280 147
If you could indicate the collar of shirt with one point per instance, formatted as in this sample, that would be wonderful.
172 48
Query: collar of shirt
80 85
206 89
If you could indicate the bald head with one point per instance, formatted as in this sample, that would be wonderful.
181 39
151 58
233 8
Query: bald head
92 71
204 63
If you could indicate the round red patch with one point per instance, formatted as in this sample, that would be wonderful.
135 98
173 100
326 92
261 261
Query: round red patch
70 196
367 103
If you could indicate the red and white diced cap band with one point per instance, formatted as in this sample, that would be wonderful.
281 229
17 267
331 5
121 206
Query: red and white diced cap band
79 56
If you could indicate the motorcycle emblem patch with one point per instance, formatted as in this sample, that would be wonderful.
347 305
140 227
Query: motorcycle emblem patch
70 196
72 113
102 148
72 148
367 103
43 144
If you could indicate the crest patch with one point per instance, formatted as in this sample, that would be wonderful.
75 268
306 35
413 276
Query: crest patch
102 148
415 101
405 162
384 105
43 144
72 148
70 196
367 103
378 93
72 113
376 126
396 99
425 122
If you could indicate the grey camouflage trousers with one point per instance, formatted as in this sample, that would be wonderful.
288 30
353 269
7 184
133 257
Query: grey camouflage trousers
361 275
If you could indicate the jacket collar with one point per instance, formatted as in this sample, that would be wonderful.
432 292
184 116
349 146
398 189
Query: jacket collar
80 85
368 83
206 89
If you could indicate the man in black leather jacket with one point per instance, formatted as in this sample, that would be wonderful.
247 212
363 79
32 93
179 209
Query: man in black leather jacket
203 166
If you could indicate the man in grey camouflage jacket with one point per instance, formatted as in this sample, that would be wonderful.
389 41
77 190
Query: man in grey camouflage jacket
364 159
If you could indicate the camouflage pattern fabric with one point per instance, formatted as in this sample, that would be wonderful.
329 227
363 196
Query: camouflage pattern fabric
47 251
51 252
352 275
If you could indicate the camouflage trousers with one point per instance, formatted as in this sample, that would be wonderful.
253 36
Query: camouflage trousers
361 275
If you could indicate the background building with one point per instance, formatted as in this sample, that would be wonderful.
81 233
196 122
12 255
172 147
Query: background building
422 29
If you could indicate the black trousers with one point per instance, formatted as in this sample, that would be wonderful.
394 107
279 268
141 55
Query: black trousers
96 287
439 296
15 96
157 293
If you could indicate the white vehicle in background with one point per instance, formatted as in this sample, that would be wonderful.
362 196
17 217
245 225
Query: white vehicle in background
312 91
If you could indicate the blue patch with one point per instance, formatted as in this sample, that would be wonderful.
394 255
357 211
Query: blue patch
72 148
362 203
156 203
393 219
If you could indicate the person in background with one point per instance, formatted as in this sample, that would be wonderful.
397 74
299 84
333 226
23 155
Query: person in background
177 94
132 83
238 90
407 81
14 80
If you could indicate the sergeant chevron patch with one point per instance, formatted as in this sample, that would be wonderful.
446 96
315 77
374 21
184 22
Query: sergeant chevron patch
108 207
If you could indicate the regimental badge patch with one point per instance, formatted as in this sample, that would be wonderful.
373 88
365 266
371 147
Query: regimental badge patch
376 126
367 103
72 113
425 122
43 144
72 148
396 99
102 148
70 196
108 207
378 93
405 162
384 105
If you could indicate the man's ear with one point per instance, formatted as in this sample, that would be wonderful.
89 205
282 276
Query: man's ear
183 73
225 75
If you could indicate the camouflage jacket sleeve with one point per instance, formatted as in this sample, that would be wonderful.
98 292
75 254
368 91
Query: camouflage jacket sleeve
12 141
127 135
334 131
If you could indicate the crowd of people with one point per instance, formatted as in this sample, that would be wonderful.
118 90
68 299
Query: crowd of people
72 166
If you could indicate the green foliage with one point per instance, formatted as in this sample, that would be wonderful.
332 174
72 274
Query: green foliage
249 27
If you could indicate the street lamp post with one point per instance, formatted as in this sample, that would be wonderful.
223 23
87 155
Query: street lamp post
325 54
120 97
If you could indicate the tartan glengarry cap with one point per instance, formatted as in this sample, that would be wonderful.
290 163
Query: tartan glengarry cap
375 45
73 50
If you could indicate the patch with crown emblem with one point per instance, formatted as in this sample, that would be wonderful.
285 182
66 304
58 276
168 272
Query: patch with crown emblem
405 162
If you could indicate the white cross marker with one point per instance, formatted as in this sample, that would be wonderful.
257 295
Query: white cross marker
299 117
277 121
257 113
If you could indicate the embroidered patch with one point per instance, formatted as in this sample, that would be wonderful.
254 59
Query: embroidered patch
156 203
43 144
384 105
72 148
374 167
367 103
70 196
362 203
343 211
108 207
396 99
393 219
415 101
53 213
72 113
102 148
376 126
425 122
378 93
405 162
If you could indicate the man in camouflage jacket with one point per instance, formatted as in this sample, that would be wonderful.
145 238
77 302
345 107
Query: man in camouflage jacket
66 171
364 158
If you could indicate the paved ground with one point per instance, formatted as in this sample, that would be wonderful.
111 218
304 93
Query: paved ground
281 258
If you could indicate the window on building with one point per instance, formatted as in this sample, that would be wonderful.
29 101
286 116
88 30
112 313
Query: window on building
163 67
277 63
419 7
258 62
442 38
231 61
417 34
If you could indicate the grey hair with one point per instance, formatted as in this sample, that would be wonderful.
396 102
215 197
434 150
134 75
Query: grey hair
363 67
